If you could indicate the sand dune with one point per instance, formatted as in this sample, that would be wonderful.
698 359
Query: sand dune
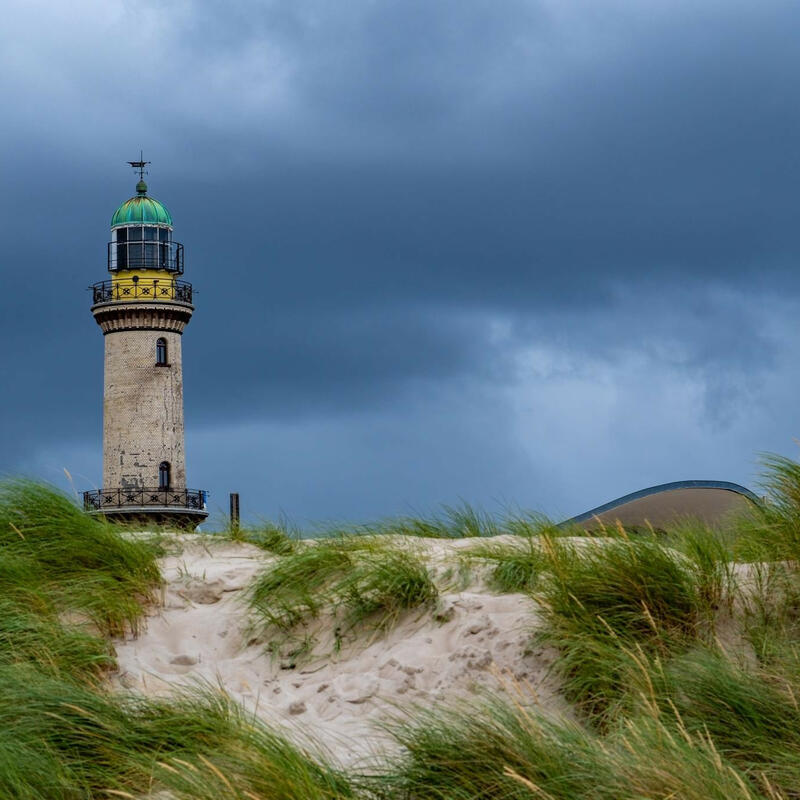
200 633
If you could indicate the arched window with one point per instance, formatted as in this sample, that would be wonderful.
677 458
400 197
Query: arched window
163 475
161 352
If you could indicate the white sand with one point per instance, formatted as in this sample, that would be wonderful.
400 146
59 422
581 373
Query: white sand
199 633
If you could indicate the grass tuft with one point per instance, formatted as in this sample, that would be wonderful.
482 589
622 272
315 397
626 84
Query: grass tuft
384 586
501 749
294 589
84 564
514 567
61 740
751 714
279 537
605 598
358 579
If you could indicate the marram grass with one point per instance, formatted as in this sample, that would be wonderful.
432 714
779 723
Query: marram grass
82 563
360 581
602 599
751 714
497 748
513 567
61 740
278 537
461 521
63 736
662 709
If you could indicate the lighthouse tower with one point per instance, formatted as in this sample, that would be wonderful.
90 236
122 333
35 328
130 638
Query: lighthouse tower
143 310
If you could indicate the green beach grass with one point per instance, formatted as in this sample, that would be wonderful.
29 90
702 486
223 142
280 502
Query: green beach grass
359 581
678 651
69 581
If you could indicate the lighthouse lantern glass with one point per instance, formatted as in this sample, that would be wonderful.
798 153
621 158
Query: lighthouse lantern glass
144 246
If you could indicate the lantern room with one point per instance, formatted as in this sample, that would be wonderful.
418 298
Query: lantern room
141 236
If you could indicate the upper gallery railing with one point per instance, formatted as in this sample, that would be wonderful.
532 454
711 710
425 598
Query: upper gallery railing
134 288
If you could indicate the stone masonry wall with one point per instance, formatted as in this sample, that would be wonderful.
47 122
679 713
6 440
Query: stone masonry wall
142 410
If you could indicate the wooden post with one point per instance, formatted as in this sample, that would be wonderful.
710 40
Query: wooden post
234 511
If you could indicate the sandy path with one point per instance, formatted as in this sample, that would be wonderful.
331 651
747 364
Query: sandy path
200 634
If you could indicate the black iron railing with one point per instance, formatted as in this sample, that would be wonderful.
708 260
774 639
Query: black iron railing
145 254
110 499
142 289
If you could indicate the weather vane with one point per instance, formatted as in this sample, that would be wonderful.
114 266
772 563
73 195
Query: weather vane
140 165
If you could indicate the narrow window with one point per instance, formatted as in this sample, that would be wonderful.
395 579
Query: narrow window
150 250
161 352
163 249
163 475
135 248
122 248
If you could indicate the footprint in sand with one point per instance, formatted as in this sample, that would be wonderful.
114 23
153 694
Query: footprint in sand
184 662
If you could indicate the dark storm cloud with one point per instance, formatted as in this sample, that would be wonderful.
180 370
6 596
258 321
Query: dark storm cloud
384 202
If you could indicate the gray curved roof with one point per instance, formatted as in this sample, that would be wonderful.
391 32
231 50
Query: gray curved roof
709 501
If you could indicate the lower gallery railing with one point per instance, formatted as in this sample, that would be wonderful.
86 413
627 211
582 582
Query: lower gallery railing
101 499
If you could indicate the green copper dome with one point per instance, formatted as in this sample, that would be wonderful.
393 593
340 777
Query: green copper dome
141 209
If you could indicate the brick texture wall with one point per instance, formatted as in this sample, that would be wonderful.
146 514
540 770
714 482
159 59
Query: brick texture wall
142 410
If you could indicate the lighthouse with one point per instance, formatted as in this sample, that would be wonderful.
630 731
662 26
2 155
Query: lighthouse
143 310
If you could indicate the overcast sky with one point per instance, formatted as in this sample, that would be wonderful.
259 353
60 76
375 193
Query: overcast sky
519 253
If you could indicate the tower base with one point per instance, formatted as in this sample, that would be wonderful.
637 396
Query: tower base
182 518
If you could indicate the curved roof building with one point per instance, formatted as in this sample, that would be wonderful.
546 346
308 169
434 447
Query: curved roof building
668 503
